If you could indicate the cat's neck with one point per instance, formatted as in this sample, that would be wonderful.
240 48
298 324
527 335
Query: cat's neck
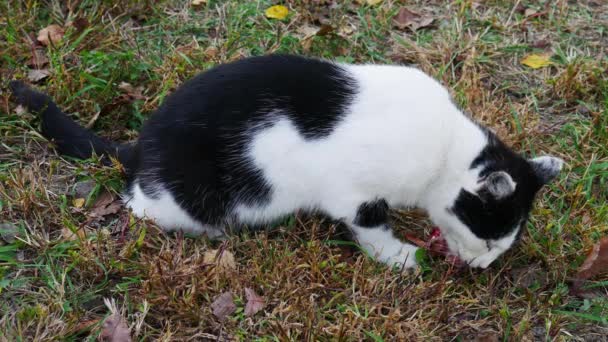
466 142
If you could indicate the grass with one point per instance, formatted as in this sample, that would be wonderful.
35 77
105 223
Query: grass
317 287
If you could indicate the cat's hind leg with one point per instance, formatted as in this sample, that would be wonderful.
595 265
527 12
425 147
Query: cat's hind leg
167 213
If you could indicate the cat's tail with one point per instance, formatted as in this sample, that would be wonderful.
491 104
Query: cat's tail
70 138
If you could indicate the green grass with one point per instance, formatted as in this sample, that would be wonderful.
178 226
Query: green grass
317 285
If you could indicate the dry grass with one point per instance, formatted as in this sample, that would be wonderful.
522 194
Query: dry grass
316 285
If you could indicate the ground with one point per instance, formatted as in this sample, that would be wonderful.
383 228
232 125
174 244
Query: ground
61 255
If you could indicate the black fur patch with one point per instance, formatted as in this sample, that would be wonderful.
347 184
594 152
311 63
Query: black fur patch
372 214
487 217
196 142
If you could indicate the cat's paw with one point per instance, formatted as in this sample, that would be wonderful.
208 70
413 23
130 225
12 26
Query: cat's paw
406 258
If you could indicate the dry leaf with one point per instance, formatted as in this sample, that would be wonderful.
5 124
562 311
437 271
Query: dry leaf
536 61
80 24
406 18
114 328
50 34
37 75
8 232
133 92
78 202
69 235
223 306
596 262
84 188
199 2
277 12
225 261
369 2
486 336
254 304
105 204
38 59
529 12
541 44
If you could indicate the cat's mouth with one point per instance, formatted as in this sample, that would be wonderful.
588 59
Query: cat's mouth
437 245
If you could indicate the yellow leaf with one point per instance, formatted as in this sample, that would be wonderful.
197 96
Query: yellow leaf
78 202
277 12
369 2
224 262
536 61
199 2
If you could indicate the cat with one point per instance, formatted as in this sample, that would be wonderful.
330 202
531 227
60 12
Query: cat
252 141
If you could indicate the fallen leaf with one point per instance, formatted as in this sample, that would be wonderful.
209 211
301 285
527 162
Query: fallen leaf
104 205
37 75
369 2
486 336
8 232
541 44
78 202
536 61
529 275
277 12
51 34
39 59
199 2
133 92
596 262
69 235
529 12
254 304
223 306
224 261
84 188
114 328
79 24
407 18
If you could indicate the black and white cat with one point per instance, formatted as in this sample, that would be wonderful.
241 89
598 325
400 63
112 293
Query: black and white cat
252 141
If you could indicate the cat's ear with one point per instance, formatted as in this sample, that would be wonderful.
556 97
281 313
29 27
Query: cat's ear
546 167
498 184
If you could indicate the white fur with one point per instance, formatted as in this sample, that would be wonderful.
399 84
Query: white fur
165 212
402 139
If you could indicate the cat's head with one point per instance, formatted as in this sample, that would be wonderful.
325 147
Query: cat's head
486 215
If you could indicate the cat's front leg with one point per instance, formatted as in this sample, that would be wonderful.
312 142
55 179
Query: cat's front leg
371 229
380 242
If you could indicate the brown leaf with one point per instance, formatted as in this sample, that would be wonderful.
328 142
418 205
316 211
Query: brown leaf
596 262
114 329
38 59
541 44
486 336
529 12
254 304
69 235
406 18
223 306
133 92
224 261
50 34
37 75
104 205
80 24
